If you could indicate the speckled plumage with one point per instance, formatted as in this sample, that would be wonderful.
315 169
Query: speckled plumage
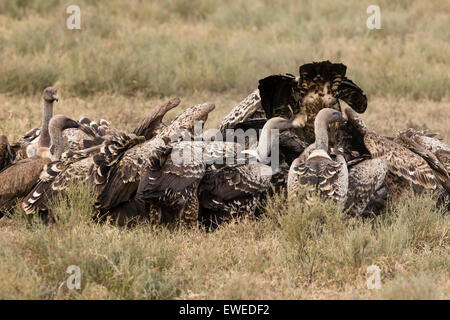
125 176
172 184
242 112
319 175
402 167
74 166
91 164
364 179
319 86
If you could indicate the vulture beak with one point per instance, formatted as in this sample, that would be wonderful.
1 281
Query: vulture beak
344 116
75 124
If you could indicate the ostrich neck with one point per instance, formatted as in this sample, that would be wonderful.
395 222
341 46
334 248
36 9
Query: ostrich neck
56 148
47 114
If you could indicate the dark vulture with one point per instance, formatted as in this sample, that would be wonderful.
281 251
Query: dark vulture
21 177
170 185
125 175
319 85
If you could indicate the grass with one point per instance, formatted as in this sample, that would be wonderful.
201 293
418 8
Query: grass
129 58
293 252
178 47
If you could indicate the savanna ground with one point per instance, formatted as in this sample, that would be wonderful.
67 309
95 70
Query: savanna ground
130 56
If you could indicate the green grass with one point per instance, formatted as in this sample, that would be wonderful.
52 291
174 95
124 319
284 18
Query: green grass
180 47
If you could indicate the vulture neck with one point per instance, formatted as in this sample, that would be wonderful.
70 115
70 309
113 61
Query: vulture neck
47 114
265 141
57 144
321 132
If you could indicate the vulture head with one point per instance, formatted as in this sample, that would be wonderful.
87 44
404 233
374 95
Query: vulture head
50 95
60 122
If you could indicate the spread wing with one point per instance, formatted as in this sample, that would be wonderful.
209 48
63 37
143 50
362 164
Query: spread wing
150 124
352 94
124 176
279 95
56 176
171 181
433 161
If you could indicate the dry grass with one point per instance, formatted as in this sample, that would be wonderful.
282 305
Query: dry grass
291 253
385 115
129 58
178 46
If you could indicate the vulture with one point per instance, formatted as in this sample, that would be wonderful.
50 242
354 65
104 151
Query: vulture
170 185
389 164
197 181
315 171
319 85
86 135
96 165
433 150
28 145
19 179
236 189
74 166
117 196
